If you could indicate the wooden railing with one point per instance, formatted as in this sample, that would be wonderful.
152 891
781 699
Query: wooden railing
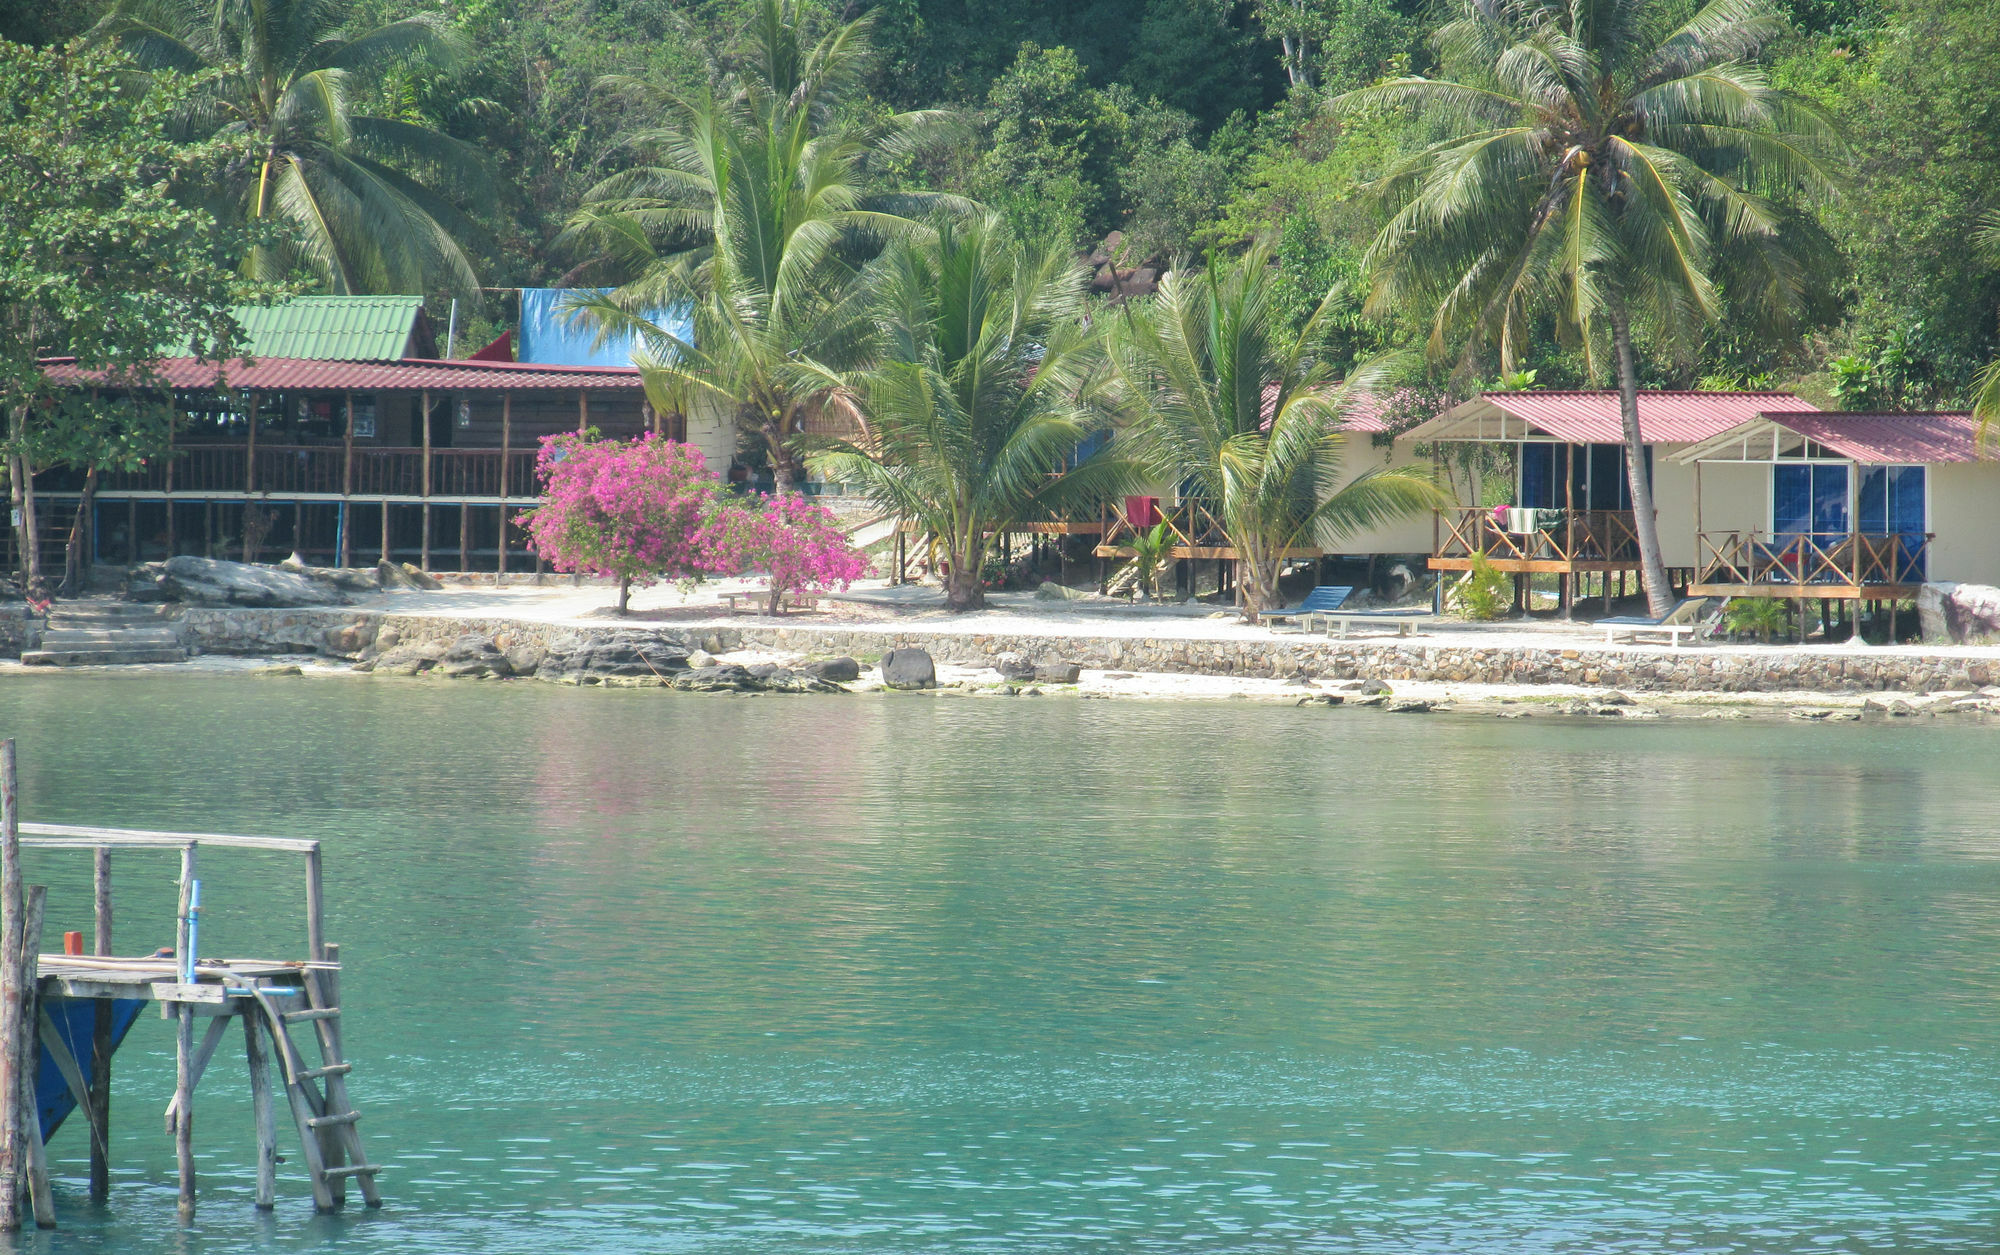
1191 524
1797 559
326 470
1554 536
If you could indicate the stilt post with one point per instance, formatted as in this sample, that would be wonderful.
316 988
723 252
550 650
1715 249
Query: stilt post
184 1065
506 460
100 1042
13 1122
30 1056
262 1111
424 544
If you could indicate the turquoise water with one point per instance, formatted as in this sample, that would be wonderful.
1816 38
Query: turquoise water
646 972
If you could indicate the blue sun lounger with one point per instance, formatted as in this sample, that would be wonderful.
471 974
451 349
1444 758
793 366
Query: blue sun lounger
1325 599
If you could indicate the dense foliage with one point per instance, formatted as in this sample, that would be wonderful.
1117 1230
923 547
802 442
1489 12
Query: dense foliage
1193 125
100 261
632 511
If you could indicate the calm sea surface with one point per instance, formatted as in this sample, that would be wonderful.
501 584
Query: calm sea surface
639 972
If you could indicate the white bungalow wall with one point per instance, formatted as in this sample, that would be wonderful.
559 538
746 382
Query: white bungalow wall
1965 517
710 429
1410 535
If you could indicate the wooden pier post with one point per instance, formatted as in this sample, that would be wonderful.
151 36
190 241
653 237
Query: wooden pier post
100 1043
42 1201
13 1157
424 544
184 1067
265 1115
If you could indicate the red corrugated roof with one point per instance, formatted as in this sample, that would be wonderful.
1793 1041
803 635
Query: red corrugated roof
1880 438
304 374
1591 417
1364 410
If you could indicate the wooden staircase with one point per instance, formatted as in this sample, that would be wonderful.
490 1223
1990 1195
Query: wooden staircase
317 1096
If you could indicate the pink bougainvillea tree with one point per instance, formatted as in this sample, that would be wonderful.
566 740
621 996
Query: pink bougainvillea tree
797 546
635 511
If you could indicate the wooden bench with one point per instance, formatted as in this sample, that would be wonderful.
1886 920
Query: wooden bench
1405 624
795 601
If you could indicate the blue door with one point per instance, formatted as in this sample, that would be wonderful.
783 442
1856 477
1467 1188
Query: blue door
1889 501
1808 514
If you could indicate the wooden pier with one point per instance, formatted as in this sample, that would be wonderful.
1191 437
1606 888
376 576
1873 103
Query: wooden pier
63 1015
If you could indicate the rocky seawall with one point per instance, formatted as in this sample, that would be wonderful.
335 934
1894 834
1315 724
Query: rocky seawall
362 634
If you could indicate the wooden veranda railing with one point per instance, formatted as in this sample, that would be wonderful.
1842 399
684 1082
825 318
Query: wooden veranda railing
1786 560
1538 536
332 470
1192 525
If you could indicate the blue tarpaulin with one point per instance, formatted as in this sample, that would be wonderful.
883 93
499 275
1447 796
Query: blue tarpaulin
548 335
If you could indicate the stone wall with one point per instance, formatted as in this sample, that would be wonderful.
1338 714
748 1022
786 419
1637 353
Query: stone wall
348 632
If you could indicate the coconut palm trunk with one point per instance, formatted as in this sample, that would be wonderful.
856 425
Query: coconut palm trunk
1645 519
1609 163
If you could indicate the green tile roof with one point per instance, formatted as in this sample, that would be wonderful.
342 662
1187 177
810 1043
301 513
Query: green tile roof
331 328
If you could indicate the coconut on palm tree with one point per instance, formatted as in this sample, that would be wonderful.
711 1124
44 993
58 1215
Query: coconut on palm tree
354 194
750 211
1606 165
1232 402
988 381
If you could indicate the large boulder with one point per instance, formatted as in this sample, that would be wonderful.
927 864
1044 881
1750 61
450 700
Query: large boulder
1959 614
213 582
908 669
628 660
391 575
354 579
474 657
1014 667
405 659
722 677
1058 673
842 670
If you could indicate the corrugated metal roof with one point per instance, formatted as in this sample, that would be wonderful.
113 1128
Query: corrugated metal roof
1591 417
295 374
1888 438
1363 412
332 328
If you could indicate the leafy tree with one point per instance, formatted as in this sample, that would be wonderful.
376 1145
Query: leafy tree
1604 165
1338 44
99 263
989 381
1918 100
1053 147
1172 186
630 510
356 193
794 545
751 210
1230 400
1197 56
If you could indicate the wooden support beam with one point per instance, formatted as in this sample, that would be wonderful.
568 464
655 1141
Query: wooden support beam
30 1057
464 537
203 1053
424 543
506 458
13 1124
184 1046
262 1112
347 487
100 1040
297 1094
582 411
385 531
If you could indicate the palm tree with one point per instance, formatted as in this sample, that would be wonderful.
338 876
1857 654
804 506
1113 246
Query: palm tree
987 383
1986 402
1232 402
1603 165
750 214
335 185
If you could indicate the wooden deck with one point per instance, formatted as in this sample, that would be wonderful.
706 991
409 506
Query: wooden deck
1573 542
1848 566
1197 534
269 998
